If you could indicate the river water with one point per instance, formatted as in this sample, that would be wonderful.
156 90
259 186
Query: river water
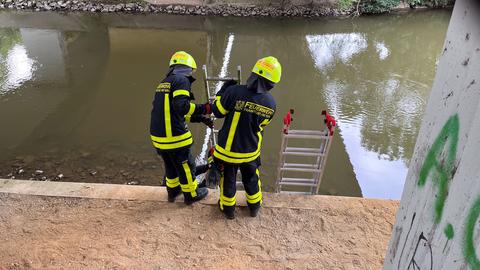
76 90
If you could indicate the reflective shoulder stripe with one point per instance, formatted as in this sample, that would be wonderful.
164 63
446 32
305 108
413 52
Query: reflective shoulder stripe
220 106
231 132
181 92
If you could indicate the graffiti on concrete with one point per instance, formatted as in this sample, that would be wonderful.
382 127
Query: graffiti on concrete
422 243
440 163
469 251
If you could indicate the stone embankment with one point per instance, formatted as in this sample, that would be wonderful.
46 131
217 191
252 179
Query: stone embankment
145 7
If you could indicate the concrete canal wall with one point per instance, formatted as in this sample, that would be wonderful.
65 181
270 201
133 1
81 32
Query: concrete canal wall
437 223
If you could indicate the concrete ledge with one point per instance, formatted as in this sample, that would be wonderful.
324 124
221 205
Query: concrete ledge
153 193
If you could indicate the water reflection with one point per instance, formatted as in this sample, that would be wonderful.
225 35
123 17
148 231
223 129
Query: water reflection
378 93
326 49
15 65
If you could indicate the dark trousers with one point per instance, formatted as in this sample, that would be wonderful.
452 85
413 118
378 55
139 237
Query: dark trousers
180 170
250 178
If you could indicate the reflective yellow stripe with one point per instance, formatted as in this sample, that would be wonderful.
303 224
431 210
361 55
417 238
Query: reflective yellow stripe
259 186
228 201
235 154
168 124
187 118
172 183
191 185
234 160
231 132
169 146
220 106
264 123
192 109
223 199
181 93
255 198
171 139
221 190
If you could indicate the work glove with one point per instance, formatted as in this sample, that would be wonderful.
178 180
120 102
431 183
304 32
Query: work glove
207 121
207 108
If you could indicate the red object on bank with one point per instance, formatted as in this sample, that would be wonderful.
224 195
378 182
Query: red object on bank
329 121
287 119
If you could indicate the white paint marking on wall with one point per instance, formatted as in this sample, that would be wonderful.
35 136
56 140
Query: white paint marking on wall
223 72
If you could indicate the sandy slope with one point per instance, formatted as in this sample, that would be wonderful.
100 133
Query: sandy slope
39 232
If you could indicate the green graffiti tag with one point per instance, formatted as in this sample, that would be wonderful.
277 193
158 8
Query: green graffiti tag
441 165
449 233
468 245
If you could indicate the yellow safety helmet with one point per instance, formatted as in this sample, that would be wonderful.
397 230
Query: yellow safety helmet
269 68
183 58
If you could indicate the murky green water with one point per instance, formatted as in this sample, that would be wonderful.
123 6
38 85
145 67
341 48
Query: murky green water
76 90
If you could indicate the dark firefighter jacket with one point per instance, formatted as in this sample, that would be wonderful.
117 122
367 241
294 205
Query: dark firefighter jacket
246 113
171 109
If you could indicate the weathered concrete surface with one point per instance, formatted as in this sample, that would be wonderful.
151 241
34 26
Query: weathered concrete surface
132 227
437 223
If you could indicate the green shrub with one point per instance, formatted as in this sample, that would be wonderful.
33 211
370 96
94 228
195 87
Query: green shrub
345 4
378 6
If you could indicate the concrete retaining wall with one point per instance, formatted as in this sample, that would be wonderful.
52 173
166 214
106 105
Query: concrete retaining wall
437 223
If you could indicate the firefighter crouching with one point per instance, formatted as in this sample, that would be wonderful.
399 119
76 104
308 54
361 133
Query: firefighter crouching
172 107
247 109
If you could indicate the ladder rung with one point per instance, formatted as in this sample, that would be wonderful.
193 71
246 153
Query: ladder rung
301 136
306 132
299 169
298 184
303 154
299 165
297 180
218 79
297 192
303 149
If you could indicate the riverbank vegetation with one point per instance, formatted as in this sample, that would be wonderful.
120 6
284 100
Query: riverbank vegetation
382 6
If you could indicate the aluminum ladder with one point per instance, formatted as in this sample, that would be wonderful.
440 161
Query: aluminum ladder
212 91
212 85
303 155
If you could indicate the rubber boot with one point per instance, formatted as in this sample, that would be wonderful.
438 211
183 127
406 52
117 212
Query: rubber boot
201 194
173 193
254 209
228 211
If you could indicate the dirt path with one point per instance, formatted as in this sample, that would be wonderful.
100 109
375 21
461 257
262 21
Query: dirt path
40 232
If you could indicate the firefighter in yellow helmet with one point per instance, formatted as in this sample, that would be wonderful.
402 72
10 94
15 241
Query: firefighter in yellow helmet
172 108
247 109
